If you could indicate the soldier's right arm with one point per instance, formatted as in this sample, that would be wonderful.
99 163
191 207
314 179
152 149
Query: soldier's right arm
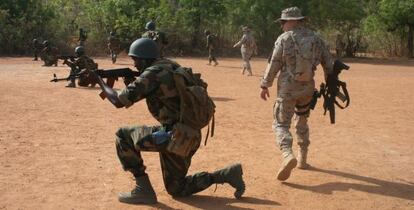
139 89
242 41
274 65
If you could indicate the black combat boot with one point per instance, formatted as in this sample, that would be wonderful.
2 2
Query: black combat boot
143 193
233 176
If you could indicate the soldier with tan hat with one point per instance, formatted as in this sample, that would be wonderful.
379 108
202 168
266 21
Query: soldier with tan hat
295 56
248 48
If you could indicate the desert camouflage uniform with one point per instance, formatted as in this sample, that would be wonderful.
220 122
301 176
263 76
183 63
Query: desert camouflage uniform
83 65
159 37
156 85
293 96
248 48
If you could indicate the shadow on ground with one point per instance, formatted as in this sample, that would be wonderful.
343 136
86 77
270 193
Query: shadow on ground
212 202
374 186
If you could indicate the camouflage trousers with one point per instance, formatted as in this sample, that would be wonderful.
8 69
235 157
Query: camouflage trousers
130 141
49 60
212 55
294 100
246 56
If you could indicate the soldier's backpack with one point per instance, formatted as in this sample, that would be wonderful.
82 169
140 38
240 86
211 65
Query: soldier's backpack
197 108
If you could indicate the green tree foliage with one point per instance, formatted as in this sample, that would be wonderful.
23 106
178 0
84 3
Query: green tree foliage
399 15
358 23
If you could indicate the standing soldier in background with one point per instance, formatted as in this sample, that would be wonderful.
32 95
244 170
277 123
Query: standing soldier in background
49 54
82 37
248 48
82 65
211 46
296 54
37 48
113 45
159 37
339 46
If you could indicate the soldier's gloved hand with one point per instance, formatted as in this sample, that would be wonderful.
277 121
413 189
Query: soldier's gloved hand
161 137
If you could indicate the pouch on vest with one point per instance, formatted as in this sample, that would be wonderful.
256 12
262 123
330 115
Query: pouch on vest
305 51
184 140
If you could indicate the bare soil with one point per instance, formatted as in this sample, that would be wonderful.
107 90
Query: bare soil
57 146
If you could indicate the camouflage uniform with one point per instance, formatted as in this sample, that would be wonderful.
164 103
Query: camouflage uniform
339 46
84 65
211 46
294 92
37 48
248 48
114 47
159 37
82 37
49 55
156 85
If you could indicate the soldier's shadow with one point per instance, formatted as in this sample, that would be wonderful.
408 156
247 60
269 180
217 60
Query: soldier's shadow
375 186
213 202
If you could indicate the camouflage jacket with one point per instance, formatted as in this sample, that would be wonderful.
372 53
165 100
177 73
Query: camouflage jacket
156 84
247 41
83 63
211 41
286 53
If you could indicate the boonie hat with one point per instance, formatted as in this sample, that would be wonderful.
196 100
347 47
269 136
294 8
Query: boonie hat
291 13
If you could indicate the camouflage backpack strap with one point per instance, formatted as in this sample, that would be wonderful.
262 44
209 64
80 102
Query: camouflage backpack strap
196 108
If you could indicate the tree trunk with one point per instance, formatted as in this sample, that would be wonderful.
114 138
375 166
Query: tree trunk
410 40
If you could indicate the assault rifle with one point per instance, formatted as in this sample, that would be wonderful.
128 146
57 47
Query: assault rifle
110 74
65 58
332 90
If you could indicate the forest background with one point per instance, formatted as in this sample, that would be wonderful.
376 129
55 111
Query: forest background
365 27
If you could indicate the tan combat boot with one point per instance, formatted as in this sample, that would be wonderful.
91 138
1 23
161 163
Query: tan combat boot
143 193
302 155
288 164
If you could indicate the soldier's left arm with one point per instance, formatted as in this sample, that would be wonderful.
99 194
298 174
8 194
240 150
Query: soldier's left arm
326 58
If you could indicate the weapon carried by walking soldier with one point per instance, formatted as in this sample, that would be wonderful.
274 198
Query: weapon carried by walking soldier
332 90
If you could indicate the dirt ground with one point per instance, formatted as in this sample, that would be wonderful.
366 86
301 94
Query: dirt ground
57 146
